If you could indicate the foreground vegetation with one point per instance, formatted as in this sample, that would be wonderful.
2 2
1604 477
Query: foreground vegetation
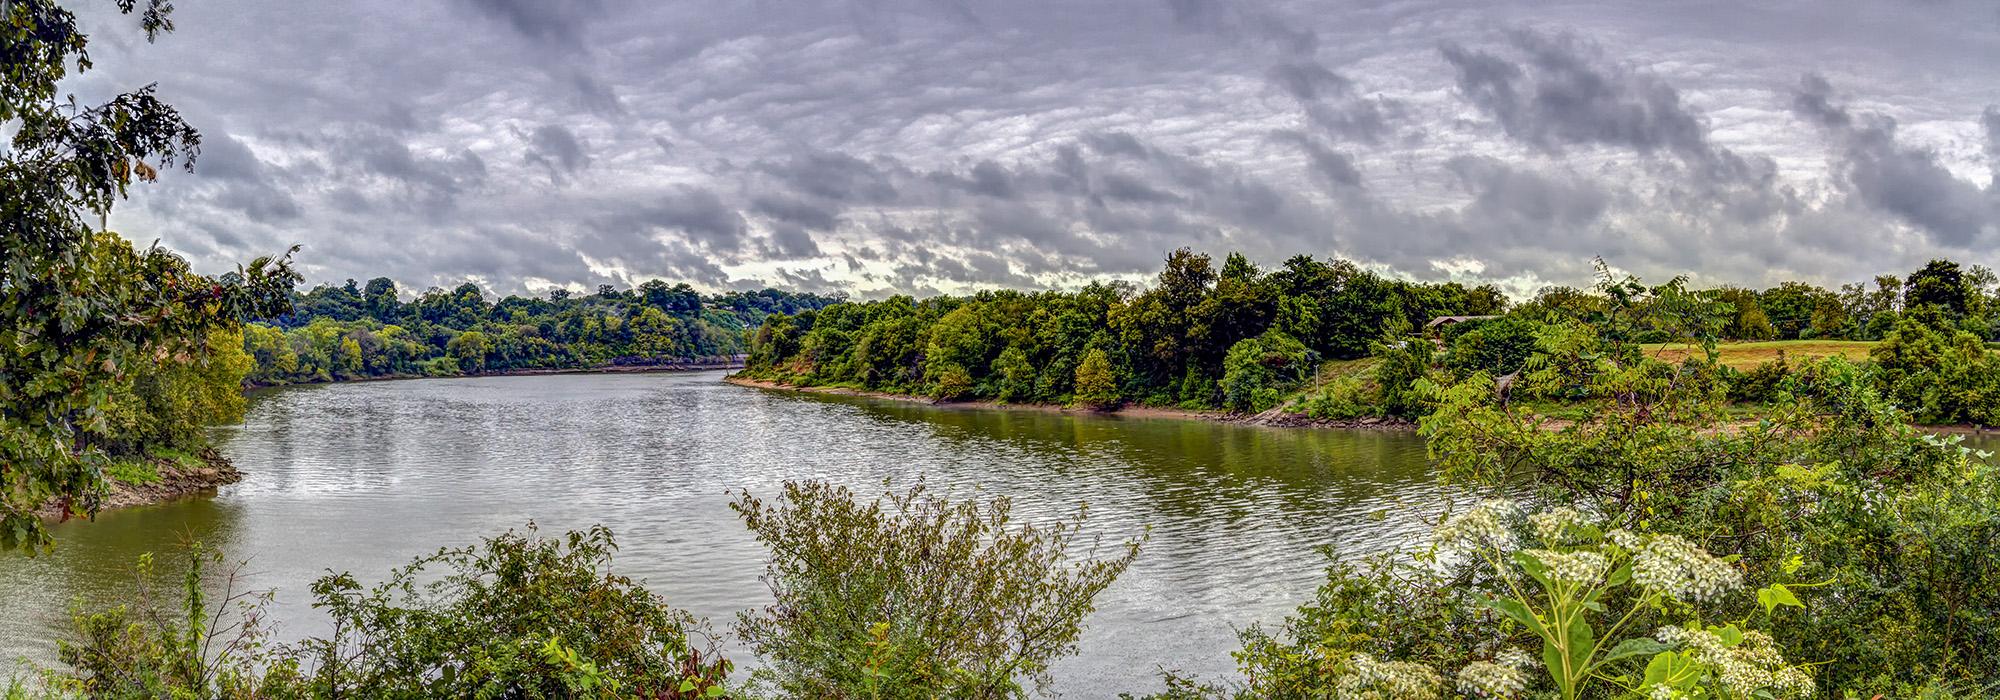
108 354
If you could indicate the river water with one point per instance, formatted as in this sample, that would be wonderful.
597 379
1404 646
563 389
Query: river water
363 477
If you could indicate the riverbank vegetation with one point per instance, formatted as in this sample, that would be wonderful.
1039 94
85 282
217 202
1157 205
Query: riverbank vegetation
907 595
1288 341
355 331
109 354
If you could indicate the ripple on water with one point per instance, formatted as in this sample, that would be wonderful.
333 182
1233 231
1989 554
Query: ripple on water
363 477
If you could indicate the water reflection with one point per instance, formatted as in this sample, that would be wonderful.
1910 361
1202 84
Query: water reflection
363 477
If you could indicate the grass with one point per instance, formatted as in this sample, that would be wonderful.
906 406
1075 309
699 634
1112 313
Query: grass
1749 355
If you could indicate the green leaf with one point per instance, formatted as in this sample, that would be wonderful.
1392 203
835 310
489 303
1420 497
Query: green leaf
1582 641
1619 576
1517 611
1636 646
1775 595
1533 566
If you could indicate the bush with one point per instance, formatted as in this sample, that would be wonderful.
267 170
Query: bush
517 616
915 596
1351 396
1404 363
1759 385
1496 347
950 382
1938 373
1257 371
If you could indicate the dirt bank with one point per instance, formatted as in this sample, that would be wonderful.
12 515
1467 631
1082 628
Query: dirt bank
1267 420
177 480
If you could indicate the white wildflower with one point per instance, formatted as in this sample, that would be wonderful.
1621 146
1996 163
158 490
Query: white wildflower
1484 525
1678 568
1370 679
1583 567
1551 525
1664 692
1625 539
1487 679
1514 657
1750 666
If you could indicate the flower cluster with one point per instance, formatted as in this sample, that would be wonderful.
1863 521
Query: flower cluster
1503 677
1581 567
1370 679
1485 524
1552 525
1677 567
1745 668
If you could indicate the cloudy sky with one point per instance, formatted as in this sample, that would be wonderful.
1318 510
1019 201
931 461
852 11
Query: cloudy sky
921 146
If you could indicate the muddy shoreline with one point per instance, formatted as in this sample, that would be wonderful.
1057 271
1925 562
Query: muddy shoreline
177 481
1263 420
606 369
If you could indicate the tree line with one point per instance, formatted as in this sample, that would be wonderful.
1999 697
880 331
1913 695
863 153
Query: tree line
357 331
1187 340
1246 339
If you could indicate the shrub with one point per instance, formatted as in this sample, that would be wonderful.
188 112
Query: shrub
1938 373
915 596
1404 363
1496 347
950 382
1257 371
148 649
517 616
1759 385
1350 396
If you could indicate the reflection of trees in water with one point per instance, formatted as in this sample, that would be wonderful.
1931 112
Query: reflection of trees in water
1220 481
93 562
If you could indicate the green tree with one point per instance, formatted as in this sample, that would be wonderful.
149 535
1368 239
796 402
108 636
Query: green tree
1096 381
80 309
1015 374
1939 283
469 350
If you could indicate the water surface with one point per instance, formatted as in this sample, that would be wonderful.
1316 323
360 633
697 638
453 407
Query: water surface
363 477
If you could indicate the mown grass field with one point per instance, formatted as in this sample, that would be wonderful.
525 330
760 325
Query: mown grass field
1748 355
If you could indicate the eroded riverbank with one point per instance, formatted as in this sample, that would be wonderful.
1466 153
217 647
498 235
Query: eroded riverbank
1271 420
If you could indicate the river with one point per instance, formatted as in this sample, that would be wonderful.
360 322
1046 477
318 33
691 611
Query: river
362 477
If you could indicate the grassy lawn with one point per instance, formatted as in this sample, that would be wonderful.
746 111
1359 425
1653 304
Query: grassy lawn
1748 355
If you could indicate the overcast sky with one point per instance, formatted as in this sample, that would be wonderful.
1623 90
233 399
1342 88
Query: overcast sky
922 146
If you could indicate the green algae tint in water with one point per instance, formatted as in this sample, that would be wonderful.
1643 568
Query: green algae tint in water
363 477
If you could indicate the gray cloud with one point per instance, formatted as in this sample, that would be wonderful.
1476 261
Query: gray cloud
1906 181
557 149
910 146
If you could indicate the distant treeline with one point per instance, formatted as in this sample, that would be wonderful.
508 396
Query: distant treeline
359 331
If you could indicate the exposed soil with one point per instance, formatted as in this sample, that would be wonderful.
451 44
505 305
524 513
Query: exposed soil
177 481
1269 419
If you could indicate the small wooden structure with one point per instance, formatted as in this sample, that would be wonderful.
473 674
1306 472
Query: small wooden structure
1440 322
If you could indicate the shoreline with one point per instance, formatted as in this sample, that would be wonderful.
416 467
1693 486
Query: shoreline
177 481
1287 421
527 372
